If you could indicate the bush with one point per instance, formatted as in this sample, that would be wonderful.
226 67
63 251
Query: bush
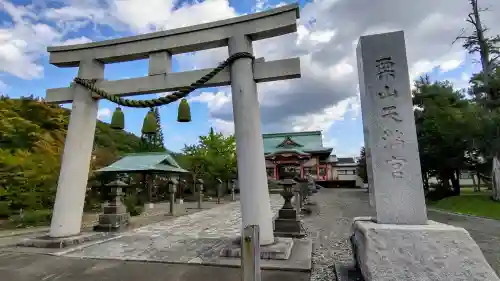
438 192
32 218
5 211
133 204
136 210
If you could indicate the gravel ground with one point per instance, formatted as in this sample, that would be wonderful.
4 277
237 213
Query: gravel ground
330 227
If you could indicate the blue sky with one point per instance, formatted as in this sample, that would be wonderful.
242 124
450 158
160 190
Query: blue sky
25 69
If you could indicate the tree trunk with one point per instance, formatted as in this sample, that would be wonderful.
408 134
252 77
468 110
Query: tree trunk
495 179
478 182
425 178
473 177
445 180
455 181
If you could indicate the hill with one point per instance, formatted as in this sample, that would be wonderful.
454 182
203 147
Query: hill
31 143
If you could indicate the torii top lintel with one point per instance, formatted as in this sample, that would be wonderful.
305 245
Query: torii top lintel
158 47
262 25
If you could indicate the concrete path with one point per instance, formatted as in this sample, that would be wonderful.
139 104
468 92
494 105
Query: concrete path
36 267
191 238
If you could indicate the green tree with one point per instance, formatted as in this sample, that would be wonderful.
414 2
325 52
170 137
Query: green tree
488 48
213 157
154 141
32 136
445 123
486 87
361 169
159 132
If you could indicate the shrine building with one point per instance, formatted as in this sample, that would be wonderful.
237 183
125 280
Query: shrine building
303 153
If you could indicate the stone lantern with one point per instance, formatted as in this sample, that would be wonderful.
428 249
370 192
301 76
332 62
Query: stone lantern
199 186
219 189
233 189
172 189
115 216
287 224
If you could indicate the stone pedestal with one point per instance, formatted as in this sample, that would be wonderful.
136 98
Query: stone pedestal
431 252
114 216
62 242
279 250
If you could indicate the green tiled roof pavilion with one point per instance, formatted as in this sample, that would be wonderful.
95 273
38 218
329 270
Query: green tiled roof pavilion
161 162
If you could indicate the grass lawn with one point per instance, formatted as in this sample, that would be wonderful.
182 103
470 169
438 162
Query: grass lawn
470 203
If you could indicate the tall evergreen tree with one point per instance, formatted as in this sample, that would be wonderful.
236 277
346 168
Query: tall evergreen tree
159 133
485 85
153 141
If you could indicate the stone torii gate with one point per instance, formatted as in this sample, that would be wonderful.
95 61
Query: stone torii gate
243 74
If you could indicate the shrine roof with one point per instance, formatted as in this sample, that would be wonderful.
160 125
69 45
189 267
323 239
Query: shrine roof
289 150
306 142
145 162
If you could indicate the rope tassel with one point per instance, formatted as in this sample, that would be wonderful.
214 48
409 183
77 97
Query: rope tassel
184 112
118 119
149 126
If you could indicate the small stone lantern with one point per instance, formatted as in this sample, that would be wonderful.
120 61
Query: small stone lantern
172 189
233 189
199 185
218 190
115 216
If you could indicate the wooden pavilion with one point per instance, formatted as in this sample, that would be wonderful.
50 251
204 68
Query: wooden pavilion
155 168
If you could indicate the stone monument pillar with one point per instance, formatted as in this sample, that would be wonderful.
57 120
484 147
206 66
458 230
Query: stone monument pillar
390 124
400 243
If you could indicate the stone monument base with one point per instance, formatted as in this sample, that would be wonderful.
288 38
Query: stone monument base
61 242
112 222
417 252
279 250
285 254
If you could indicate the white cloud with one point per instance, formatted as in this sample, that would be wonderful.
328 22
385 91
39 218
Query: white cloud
23 41
450 65
213 100
223 126
104 113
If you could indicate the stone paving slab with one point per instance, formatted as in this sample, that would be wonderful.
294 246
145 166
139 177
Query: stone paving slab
35 267
194 238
